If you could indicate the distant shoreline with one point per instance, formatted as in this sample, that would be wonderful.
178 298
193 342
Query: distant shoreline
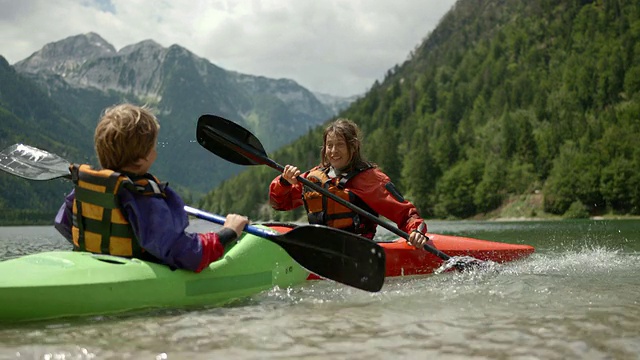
559 218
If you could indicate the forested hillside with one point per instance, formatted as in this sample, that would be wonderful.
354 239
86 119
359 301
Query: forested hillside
504 98
29 116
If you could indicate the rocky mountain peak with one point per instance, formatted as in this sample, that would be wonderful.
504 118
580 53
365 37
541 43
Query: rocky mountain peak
67 54
336 103
146 46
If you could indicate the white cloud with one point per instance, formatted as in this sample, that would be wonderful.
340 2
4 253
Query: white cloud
338 47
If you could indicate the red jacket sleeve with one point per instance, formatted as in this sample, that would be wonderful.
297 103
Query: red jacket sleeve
372 187
285 197
212 249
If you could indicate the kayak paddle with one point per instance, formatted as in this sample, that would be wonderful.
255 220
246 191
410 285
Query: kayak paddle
330 253
32 163
236 144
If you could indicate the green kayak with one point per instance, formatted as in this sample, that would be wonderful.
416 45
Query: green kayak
64 283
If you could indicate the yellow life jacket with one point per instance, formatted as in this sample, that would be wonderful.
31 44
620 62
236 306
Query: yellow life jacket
98 223
324 211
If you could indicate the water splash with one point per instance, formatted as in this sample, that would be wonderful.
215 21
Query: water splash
466 263
587 259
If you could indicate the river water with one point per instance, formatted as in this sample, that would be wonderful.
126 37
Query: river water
576 297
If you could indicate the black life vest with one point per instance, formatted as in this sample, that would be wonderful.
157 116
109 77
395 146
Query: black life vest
324 211
98 224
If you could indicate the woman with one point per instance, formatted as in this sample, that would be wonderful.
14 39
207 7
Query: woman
344 172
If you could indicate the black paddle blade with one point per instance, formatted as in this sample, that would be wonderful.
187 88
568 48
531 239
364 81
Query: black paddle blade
228 140
337 255
33 163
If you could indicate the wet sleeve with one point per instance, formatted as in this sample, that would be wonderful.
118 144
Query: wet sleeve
376 189
283 196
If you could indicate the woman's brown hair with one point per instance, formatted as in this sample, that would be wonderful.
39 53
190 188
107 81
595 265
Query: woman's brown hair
350 132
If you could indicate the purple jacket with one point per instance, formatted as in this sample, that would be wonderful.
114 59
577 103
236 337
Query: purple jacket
159 224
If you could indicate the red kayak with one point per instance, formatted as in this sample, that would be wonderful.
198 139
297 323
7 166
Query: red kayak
403 259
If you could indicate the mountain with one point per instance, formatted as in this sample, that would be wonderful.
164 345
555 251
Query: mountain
64 57
84 74
336 103
54 98
29 116
506 102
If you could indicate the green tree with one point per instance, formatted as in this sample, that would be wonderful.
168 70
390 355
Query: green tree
419 174
489 193
455 190
620 184
382 148
575 176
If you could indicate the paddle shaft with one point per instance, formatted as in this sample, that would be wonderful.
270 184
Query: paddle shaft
220 220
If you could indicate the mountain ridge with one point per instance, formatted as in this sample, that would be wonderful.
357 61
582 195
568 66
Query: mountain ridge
67 84
176 82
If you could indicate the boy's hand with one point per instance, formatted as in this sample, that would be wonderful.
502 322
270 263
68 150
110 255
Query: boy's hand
236 223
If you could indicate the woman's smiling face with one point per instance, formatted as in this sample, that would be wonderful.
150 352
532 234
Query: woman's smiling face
337 151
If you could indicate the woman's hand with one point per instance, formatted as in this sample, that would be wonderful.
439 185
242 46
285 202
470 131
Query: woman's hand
418 237
290 174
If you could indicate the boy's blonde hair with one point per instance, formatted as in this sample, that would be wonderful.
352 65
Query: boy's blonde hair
125 134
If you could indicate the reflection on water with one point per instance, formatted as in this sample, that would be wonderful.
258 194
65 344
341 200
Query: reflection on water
577 297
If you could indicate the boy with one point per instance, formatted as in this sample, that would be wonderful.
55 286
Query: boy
125 211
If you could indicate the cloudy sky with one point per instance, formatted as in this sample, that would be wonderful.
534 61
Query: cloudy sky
338 47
